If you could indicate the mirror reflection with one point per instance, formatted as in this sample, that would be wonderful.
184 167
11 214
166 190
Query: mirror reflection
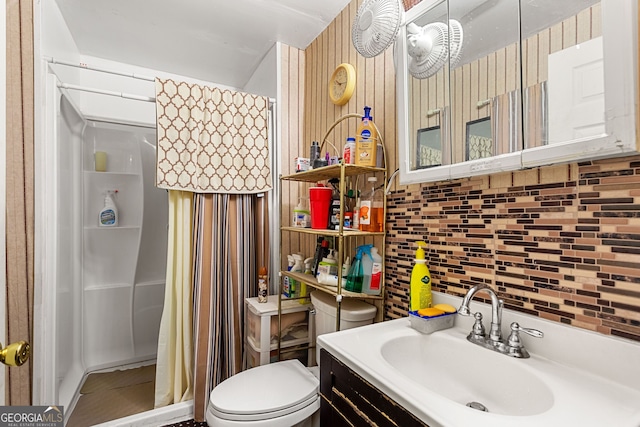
479 139
428 88
429 152
563 72
486 80
532 69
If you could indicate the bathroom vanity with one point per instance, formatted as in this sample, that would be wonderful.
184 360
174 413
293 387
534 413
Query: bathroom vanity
348 399
393 375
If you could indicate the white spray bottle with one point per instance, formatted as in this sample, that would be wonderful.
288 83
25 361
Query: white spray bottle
108 216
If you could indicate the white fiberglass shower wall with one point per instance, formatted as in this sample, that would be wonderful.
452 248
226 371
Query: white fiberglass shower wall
109 280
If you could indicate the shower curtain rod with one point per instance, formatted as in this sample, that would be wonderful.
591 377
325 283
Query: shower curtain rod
120 94
106 92
52 60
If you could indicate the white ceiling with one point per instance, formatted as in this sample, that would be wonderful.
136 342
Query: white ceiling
221 41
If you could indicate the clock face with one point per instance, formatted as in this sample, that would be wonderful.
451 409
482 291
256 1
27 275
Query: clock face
339 83
342 84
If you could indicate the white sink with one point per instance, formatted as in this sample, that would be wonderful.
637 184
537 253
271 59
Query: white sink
464 373
573 377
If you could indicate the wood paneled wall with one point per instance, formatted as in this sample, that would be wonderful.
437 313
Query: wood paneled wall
291 111
375 87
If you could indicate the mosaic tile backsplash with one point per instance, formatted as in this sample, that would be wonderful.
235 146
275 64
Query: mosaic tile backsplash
561 242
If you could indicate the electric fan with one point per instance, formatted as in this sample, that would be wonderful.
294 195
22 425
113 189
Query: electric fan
428 48
455 42
376 26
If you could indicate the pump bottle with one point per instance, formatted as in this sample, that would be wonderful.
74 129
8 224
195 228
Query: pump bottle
366 141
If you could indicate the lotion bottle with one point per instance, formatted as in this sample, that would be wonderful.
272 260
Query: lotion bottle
366 141
420 292
108 216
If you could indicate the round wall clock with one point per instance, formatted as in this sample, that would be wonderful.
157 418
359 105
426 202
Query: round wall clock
342 84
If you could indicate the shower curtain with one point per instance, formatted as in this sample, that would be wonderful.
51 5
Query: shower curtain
174 378
225 274
213 143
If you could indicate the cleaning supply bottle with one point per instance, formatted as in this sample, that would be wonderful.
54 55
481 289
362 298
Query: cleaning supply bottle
298 267
328 270
356 274
334 214
366 141
108 216
420 292
322 250
372 271
263 285
304 292
286 283
301 215
372 208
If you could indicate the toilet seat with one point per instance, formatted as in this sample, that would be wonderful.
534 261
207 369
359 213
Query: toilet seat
266 392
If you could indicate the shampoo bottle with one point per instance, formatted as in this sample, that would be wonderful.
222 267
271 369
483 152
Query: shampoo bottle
109 214
420 293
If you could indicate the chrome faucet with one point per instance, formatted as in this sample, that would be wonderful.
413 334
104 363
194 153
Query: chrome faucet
513 347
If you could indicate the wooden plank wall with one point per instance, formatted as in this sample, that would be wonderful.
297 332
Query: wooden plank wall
291 111
375 87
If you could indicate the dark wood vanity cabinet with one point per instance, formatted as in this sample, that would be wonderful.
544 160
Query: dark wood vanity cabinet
349 400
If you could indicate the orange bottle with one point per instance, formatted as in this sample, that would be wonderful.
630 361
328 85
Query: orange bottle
372 209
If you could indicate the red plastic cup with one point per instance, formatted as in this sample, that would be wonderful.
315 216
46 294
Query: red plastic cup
320 203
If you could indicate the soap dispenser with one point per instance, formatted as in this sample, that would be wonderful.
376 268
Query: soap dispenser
420 292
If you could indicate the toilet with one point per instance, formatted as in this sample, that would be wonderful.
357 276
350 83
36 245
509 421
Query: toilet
284 393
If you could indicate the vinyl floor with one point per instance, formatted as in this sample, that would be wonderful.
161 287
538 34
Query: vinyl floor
107 396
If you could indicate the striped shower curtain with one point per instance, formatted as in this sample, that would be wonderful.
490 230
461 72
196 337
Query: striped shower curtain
224 275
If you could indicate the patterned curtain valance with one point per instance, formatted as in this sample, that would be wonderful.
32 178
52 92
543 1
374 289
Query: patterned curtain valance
211 140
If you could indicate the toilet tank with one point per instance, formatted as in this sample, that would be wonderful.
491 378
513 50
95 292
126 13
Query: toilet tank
353 312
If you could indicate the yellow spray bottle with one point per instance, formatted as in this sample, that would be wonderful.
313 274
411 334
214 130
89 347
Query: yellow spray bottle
420 293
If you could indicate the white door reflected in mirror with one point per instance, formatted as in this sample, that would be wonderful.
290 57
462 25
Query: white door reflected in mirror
576 92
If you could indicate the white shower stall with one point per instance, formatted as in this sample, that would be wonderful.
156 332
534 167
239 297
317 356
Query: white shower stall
110 281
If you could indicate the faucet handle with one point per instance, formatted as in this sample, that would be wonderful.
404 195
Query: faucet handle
515 347
515 327
478 330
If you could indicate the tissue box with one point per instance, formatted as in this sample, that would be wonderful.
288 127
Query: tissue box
427 325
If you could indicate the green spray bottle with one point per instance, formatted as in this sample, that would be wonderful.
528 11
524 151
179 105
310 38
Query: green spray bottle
355 277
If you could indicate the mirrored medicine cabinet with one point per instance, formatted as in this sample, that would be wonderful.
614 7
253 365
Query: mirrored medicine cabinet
486 86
